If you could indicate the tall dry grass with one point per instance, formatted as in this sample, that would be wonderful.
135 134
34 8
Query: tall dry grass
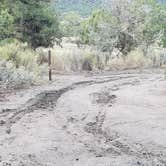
20 64
72 58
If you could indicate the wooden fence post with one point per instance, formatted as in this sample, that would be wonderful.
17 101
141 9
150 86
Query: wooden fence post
49 65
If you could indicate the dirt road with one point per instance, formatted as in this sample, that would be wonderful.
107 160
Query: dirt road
108 119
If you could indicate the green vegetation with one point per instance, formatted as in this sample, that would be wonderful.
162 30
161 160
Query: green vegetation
126 26
39 24
6 24
123 35
34 22
18 67
70 24
24 26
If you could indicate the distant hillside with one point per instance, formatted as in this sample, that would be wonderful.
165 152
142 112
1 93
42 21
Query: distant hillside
162 1
83 7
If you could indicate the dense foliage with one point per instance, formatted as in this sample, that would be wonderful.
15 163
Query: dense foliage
34 22
25 25
70 24
126 25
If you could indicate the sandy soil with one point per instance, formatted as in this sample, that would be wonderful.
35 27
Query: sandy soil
105 119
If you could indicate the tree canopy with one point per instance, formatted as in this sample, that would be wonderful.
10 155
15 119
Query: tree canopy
125 25
31 21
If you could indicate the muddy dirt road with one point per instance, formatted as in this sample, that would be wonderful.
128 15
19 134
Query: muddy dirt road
109 119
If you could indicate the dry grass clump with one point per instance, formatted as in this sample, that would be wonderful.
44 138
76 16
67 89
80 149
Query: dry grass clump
18 66
19 54
134 60
12 77
158 56
72 58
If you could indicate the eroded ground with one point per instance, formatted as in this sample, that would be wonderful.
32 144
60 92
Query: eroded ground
108 119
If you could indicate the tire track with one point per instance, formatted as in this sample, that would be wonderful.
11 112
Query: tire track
47 100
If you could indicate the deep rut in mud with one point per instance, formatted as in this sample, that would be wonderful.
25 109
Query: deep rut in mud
47 100
79 123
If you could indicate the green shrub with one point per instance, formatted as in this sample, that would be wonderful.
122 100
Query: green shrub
6 24
18 66
9 52
136 59
12 77
19 54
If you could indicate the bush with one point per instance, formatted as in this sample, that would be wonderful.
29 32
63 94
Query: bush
71 58
134 60
9 52
39 24
157 56
6 24
12 77
18 66
19 54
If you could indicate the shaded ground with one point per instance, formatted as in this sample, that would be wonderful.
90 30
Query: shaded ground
105 119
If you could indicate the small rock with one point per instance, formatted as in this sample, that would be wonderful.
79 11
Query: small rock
8 131
2 122
144 153
87 66
6 164
99 155
138 162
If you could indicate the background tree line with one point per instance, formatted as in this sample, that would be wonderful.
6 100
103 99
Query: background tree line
121 24
31 21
